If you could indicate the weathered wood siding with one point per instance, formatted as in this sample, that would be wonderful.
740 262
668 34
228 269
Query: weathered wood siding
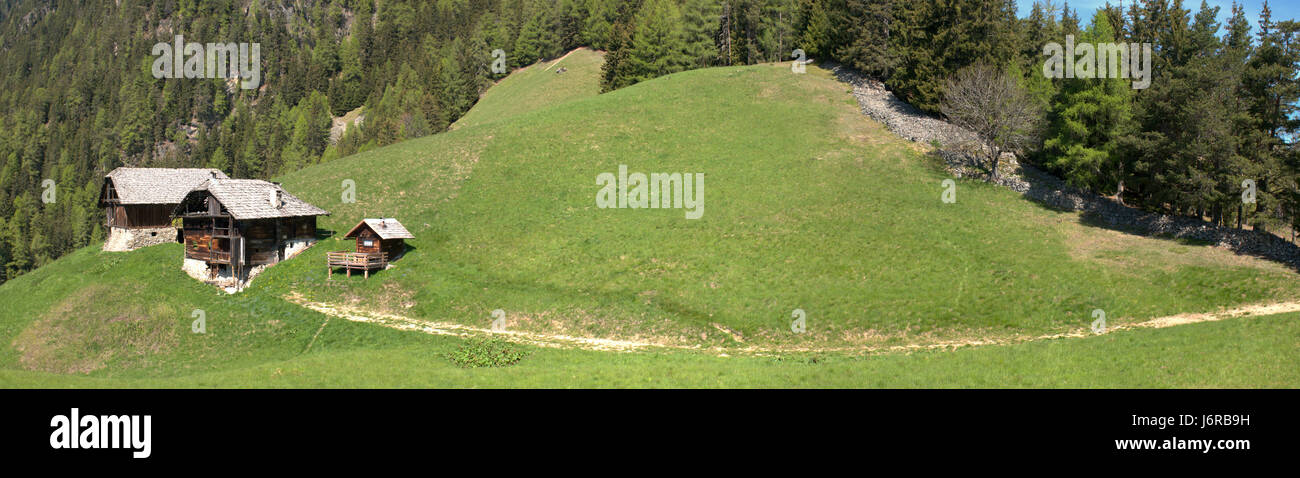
201 243
260 242
394 247
365 236
263 238
304 227
139 215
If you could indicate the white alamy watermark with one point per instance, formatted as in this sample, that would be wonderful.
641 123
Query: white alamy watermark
230 61
499 320
200 323
349 194
498 61
653 191
1099 60
49 195
130 432
800 323
1099 325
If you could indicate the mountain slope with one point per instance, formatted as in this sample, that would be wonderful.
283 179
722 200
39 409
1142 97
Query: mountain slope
538 86
808 206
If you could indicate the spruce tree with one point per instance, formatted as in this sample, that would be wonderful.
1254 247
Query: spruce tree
531 45
868 24
1087 119
657 45
1272 92
700 23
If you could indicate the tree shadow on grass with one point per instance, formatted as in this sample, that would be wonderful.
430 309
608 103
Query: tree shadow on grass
1096 210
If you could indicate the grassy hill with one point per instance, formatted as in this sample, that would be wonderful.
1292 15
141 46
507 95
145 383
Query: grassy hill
538 86
808 205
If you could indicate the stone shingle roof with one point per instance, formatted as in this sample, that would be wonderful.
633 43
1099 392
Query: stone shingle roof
248 199
386 228
156 185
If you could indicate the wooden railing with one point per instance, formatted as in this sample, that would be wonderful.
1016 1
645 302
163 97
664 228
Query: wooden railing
362 261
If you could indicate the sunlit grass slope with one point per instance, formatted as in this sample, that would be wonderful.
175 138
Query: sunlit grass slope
808 205
539 86
1252 353
123 315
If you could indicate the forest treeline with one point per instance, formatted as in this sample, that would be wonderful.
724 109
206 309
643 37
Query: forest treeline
79 99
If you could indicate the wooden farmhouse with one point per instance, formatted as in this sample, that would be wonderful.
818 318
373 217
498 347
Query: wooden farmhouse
234 228
138 204
378 242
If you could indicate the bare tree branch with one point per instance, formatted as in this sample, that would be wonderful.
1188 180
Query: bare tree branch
990 103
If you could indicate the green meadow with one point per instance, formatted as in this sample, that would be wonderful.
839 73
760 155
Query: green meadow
538 86
807 205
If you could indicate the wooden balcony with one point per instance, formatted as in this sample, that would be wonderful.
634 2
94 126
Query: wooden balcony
350 261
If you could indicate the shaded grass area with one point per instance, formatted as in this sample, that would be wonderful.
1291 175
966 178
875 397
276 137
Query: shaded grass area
1254 352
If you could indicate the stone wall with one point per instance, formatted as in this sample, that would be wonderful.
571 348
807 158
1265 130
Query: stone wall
122 239
196 269
199 269
293 247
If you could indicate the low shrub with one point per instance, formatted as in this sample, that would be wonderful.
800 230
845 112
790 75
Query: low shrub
485 352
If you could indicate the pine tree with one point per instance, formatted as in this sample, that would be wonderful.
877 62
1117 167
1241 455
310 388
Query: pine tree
598 24
218 160
1039 28
1272 92
725 30
868 26
700 23
4 249
537 38
934 39
613 71
346 92
657 45
1087 120
819 28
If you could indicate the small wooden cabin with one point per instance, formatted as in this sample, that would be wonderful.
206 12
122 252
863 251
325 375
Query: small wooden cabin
138 203
231 226
380 235
378 242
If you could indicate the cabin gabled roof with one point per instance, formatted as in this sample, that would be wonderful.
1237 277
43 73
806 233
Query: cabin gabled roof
386 227
155 185
248 199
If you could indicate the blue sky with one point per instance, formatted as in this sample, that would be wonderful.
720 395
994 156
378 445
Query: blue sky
1282 9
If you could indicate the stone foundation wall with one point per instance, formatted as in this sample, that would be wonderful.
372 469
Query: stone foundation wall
199 269
294 247
196 269
122 239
